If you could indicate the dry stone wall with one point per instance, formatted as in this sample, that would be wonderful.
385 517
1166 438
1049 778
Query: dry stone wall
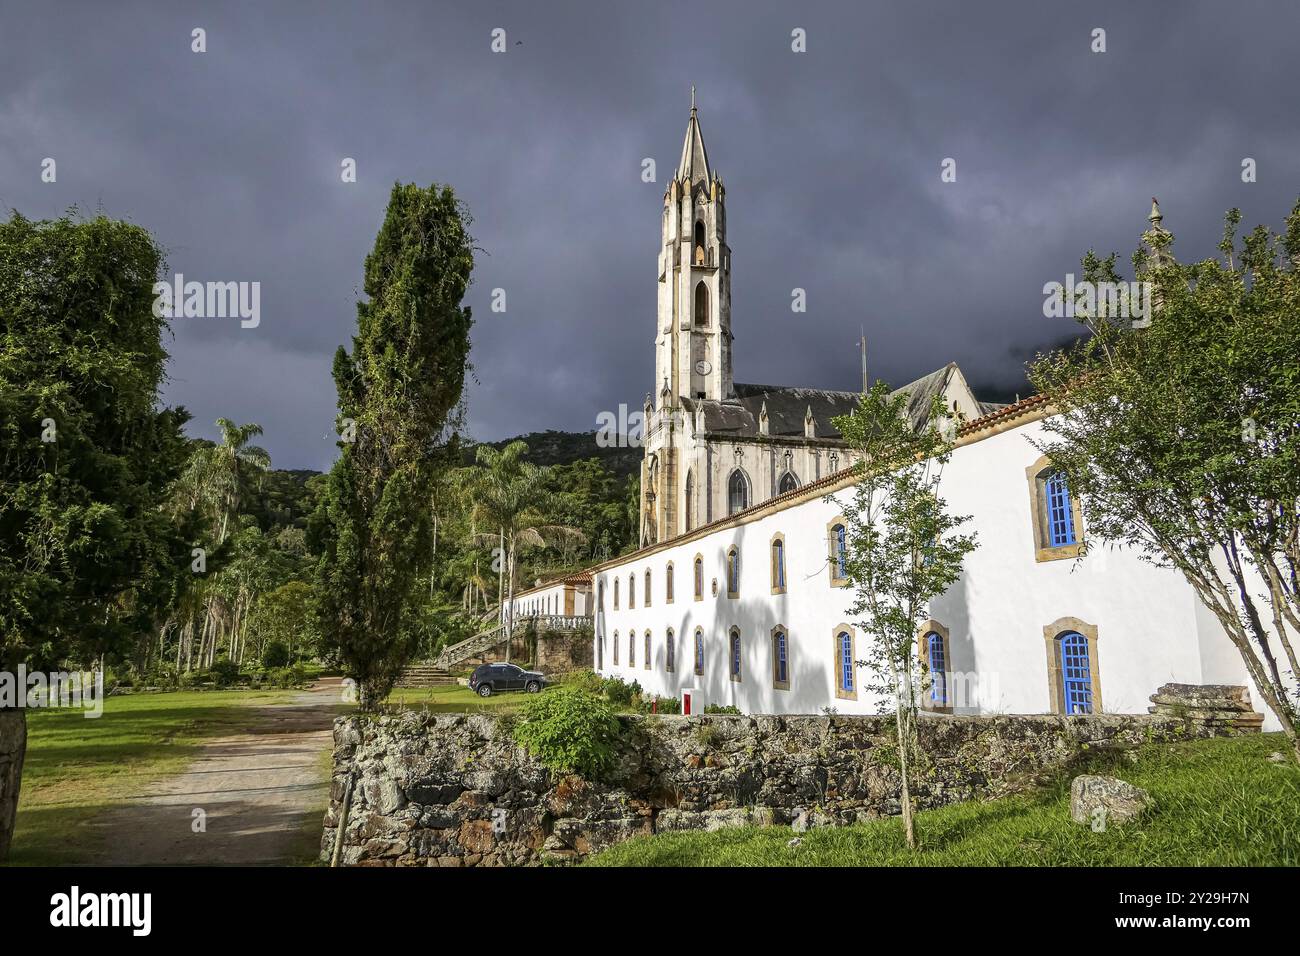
455 789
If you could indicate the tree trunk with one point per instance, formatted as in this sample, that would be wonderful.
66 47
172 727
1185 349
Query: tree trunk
13 748
510 599
908 826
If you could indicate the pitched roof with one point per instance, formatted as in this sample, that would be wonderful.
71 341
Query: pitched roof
787 407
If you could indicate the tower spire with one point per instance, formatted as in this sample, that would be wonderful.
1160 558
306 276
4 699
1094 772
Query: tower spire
694 167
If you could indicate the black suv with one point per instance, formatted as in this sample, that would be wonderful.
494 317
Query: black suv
489 679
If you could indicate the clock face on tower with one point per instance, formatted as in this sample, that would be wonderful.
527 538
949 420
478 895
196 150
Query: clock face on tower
703 367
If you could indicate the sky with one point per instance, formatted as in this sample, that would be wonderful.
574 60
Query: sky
832 158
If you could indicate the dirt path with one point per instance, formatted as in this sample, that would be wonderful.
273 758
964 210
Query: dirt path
262 792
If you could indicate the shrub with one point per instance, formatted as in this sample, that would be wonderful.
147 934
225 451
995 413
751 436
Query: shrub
281 677
722 709
589 681
276 654
570 731
161 674
224 672
618 691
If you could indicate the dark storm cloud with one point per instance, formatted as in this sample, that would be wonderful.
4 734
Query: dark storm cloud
831 160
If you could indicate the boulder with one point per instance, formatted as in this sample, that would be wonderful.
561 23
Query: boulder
1119 801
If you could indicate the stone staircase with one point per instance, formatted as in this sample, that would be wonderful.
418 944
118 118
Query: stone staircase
470 647
1217 708
425 675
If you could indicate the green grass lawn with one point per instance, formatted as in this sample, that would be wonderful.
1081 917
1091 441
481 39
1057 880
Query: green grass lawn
1217 803
77 767
454 699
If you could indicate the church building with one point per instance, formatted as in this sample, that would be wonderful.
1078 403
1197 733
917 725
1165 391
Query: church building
715 446
738 594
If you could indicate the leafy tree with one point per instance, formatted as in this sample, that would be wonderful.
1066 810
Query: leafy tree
280 618
87 556
1182 438
398 389
903 551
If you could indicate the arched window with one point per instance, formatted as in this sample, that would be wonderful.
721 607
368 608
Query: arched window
778 563
1060 516
737 492
1058 531
699 578
701 305
646 592
699 650
780 659
616 594
631 591
670 659
700 254
733 572
600 595
838 538
600 653
937 660
616 648
735 654
647 649
690 500
668 583
846 683
788 483
1076 673
631 648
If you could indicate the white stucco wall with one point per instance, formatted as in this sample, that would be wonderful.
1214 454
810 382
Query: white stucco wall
550 598
1150 626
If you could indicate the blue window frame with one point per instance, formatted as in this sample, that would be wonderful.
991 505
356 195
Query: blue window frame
778 563
1076 673
733 572
782 674
841 550
1060 513
938 670
735 655
846 662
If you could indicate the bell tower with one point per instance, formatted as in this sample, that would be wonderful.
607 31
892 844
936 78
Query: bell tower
693 346
693 329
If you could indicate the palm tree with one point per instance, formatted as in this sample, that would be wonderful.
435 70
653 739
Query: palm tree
227 459
506 493
213 484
